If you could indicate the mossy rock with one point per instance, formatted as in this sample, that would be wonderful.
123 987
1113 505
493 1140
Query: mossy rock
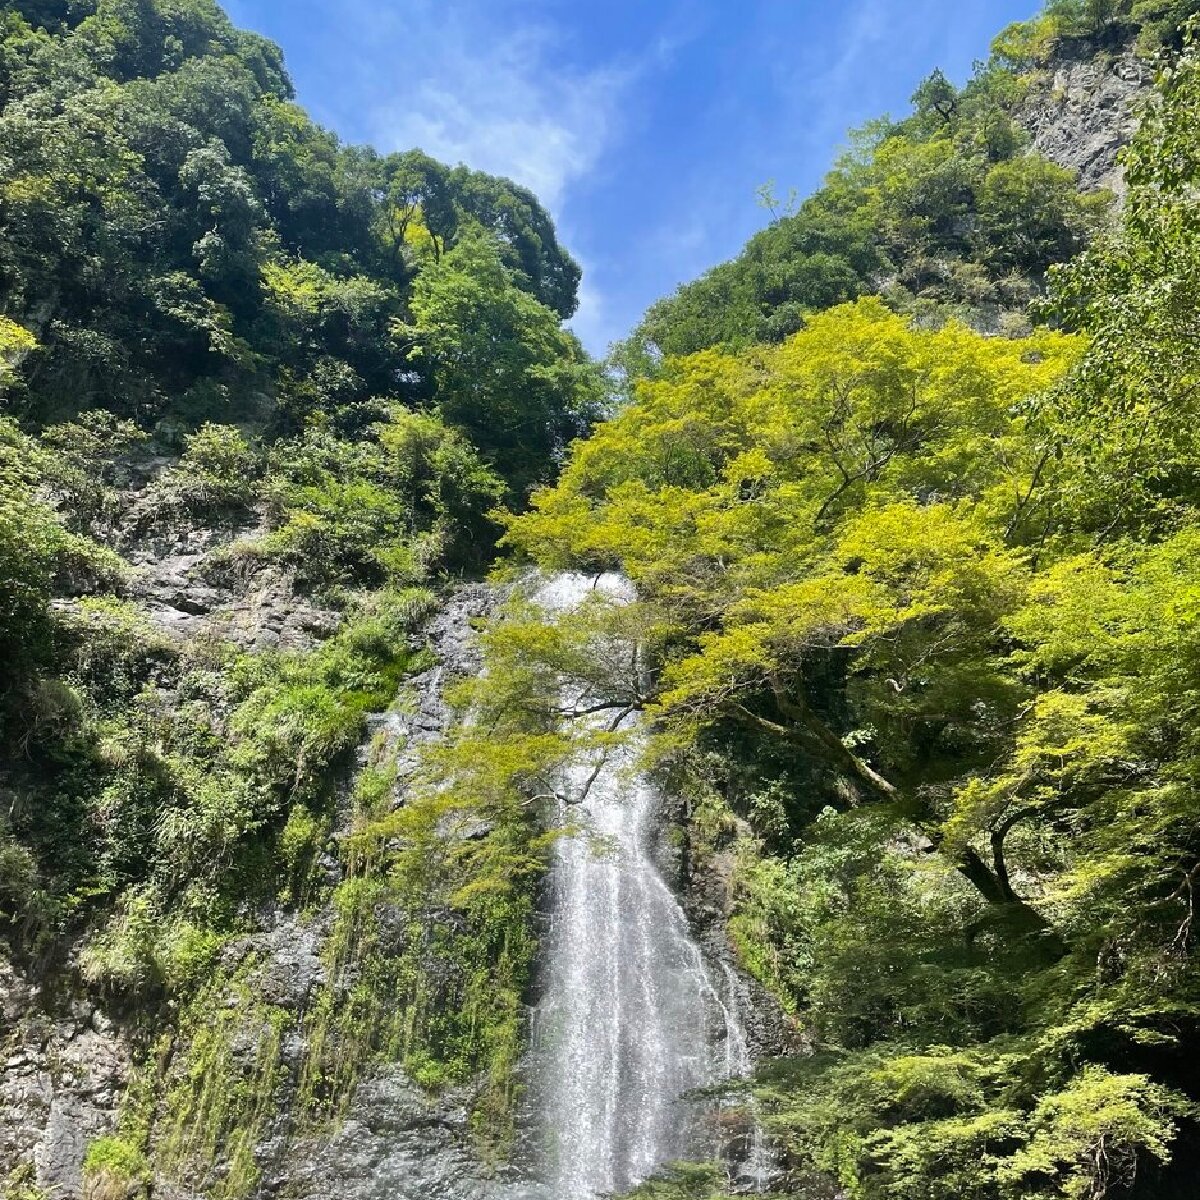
115 1169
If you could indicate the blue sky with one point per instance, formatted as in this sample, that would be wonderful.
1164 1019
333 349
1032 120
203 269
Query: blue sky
646 128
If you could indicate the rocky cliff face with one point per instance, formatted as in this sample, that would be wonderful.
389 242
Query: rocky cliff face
66 1067
1082 111
69 1073
395 1141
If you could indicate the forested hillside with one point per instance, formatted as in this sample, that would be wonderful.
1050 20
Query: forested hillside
943 211
183 243
908 494
261 393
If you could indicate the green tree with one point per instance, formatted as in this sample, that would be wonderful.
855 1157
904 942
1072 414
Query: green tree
503 369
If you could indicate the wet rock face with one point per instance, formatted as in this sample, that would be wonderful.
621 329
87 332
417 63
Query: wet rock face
395 1144
63 1071
64 1068
1084 112
398 1144
705 891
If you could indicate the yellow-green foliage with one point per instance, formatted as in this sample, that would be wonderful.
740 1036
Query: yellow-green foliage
786 495
15 341
913 639
220 1089
114 1169
21 1183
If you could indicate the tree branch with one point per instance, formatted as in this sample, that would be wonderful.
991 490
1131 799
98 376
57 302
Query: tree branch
810 731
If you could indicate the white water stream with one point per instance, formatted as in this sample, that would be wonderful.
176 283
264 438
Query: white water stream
631 1017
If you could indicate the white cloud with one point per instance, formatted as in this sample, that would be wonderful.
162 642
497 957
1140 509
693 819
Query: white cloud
867 26
501 103
594 323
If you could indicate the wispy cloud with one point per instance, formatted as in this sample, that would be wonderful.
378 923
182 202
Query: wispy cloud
866 27
503 102
595 323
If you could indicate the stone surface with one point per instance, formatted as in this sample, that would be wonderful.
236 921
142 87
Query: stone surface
64 1067
189 590
1081 113
63 1071
396 1142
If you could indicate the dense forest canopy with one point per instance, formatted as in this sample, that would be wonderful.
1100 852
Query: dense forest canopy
183 242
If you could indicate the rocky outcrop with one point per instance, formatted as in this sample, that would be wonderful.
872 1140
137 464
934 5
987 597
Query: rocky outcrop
196 580
1082 111
396 1143
64 1068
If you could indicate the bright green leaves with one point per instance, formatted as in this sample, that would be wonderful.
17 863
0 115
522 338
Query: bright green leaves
407 498
859 555
1090 1136
15 343
782 502
1112 642
726 464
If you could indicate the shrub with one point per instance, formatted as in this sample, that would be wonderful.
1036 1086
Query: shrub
15 343
114 1169
215 479
409 497
82 465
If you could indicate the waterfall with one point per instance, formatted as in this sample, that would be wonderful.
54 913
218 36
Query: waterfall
631 1018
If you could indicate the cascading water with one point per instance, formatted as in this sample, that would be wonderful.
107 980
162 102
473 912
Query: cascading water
630 1020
